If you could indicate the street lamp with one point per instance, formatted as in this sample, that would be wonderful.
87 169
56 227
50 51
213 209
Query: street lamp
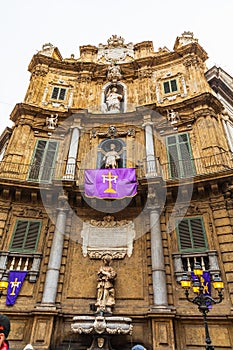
3 287
202 299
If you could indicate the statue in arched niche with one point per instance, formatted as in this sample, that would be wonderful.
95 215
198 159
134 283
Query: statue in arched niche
113 99
112 157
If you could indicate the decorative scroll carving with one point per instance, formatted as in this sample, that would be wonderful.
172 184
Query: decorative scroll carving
114 73
145 73
115 51
101 324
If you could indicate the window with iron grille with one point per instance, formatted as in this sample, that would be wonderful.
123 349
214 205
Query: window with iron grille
26 236
58 93
42 165
170 86
180 156
191 235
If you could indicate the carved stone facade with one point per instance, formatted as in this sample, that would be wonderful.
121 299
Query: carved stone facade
157 112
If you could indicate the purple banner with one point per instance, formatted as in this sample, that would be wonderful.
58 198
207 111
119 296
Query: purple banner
110 183
205 279
15 282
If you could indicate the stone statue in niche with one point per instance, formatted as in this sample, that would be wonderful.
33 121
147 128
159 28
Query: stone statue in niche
112 157
105 286
113 100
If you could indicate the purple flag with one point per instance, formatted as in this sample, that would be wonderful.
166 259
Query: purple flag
205 279
110 183
15 282
207 283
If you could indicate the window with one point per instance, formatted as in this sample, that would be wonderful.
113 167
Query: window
42 165
170 86
26 236
58 93
180 156
191 235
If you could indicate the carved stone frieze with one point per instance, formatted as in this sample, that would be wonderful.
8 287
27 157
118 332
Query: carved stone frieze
145 73
40 70
108 236
101 324
28 212
112 132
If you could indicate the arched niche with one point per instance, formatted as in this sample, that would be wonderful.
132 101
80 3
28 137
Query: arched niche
105 147
107 100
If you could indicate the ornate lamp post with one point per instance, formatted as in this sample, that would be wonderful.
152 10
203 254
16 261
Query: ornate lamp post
202 299
3 287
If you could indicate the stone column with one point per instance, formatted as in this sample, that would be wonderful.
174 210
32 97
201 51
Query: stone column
72 156
52 275
157 256
150 154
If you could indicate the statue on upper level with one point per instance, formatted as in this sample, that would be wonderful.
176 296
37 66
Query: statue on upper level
113 100
105 289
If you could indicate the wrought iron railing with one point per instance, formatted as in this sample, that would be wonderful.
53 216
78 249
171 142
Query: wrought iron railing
174 170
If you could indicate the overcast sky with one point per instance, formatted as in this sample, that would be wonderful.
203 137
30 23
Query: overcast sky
28 24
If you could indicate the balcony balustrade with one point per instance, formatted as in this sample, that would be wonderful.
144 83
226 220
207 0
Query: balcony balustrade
20 261
185 168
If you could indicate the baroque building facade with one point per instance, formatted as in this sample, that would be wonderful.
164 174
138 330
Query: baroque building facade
118 107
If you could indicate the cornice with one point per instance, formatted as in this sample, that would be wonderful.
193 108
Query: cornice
129 69
32 110
204 99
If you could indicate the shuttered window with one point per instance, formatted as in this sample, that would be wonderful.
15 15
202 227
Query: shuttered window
191 235
180 156
170 86
26 236
42 165
58 93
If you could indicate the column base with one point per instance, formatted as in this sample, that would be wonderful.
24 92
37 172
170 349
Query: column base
162 309
46 307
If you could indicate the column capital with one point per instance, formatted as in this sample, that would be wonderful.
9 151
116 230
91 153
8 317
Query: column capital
79 127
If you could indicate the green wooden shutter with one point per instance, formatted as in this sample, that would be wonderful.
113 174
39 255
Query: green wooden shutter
37 160
191 235
26 236
180 156
48 161
42 165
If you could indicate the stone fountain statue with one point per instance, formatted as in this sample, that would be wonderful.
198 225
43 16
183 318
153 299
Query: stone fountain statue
105 286
102 325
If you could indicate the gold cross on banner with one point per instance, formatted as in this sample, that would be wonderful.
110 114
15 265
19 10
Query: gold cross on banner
110 178
14 284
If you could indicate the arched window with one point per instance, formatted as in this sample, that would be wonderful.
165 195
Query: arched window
114 98
111 153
